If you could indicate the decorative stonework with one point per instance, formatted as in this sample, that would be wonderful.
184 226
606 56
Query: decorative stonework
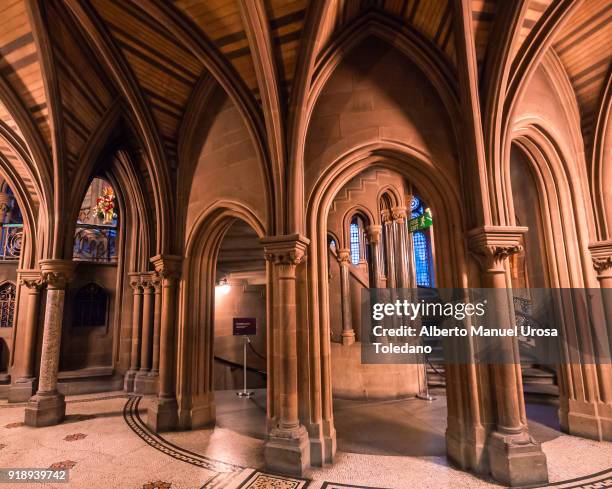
14 425
75 437
157 485
260 480
63 465
601 253
285 250
492 245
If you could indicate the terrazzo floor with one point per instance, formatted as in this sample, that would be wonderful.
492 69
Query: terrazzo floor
392 444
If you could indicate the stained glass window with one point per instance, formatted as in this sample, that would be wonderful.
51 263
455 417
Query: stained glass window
355 250
422 253
90 306
422 247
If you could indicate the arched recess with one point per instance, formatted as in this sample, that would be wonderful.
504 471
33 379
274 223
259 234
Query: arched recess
468 409
195 389
366 216
216 145
416 48
584 389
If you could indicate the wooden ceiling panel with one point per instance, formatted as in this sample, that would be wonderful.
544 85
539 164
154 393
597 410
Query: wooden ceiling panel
286 26
535 11
18 166
19 62
165 71
221 22
483 12
584 46
7 119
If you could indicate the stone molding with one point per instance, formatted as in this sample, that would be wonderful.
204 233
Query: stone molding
31 279
285 250
601 253
492 245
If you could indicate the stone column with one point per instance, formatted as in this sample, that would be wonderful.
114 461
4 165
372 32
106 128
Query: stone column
348 334
142 381
373 235
162 415
25 385
47 406
399 218
287 449
515 458
156 283
135 283
389 249
601 253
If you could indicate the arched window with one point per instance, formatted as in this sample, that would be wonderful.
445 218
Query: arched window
95 238
91 304
355 241
7 304
421 241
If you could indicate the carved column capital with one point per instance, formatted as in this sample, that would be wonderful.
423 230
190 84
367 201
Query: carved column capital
344 256
168 267
373 233
135 281
601 253
492 245
31 279
285 250
399 214
57 273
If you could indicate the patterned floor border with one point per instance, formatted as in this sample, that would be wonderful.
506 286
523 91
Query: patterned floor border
231 476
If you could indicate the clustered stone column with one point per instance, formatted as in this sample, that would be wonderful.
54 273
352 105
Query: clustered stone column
344 259
287 449
389 226
405 257
135 283
515 457
25 385
47 406
601 253
163 415
142 376
373 236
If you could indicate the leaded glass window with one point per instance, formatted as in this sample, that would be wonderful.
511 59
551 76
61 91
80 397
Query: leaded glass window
91 302
355 242
7 304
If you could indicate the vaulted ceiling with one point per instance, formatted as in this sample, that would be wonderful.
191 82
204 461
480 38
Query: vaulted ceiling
64 64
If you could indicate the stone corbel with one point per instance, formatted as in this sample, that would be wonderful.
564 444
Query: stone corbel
601 253
167 267
492 245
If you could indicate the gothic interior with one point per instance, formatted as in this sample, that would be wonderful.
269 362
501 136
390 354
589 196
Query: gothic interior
168 167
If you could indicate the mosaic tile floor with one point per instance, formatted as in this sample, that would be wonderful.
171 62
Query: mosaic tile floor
105 443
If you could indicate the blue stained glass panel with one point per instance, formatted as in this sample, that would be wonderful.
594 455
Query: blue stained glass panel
421 259
354 230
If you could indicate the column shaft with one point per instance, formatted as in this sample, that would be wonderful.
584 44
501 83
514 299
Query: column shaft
348 333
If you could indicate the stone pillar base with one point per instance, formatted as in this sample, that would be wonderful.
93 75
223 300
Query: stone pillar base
128 381
348 337
517 460
45 409
162 415
22 390
288 451
145 383
465 447
585 419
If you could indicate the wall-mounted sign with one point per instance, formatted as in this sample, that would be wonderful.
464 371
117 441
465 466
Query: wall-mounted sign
245 326
421 222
